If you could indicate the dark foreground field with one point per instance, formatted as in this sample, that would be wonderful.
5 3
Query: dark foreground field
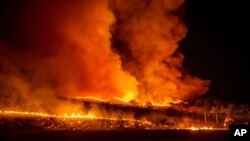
117 135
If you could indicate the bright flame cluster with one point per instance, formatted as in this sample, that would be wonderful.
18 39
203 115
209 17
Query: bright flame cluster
74 121
117 100
193 128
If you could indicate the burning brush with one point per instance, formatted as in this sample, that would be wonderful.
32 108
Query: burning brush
114 52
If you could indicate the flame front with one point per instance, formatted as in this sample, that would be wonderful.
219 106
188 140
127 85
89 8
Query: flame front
79 121
73 115
74 121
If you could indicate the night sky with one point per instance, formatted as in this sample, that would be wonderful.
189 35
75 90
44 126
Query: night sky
216 46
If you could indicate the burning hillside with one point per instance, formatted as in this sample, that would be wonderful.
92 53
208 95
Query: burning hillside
106 116
102 49
111 51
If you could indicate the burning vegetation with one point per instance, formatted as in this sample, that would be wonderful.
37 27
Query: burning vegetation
115 61
106 116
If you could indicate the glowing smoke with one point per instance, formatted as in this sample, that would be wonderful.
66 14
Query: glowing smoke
147 34
56 49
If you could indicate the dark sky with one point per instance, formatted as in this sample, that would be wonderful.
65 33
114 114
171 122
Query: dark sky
216 46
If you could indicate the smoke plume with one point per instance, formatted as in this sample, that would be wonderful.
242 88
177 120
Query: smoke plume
100 48
146 35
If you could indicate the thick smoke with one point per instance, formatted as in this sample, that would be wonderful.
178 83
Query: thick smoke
55 49
147 33
60 49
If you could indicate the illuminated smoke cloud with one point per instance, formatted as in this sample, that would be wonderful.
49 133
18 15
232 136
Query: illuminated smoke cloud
100 48
146 35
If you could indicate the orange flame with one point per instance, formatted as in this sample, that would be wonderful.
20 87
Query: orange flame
69 116
100 50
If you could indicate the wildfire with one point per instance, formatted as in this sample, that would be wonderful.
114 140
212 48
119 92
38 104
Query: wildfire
193 128
121 100
117 100
114 52
196 128
69 116
160 105
78 56
25 113
74 121
91 98
114 100
79 121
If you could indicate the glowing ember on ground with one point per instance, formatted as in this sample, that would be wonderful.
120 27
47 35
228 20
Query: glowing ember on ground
77 121
73 115
35 120
196 128
25 113
201 128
